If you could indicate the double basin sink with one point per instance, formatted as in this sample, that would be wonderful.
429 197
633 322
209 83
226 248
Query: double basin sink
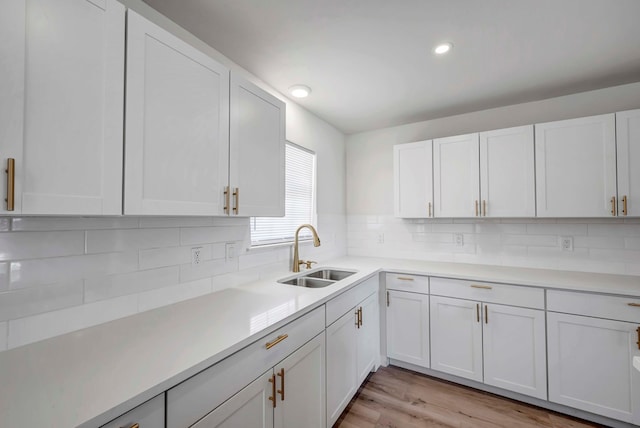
318 278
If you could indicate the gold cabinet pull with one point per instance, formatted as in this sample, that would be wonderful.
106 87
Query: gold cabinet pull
486 314
236 195
613 206
136 425
11 184
278 339
476 208
477 312
484 208
387 299
281 390
484 287
405 278
357 318
429 209
624 205
635 305
638 342
360 316
272 381
227 196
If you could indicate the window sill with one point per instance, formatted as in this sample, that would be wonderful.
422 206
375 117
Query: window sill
278 245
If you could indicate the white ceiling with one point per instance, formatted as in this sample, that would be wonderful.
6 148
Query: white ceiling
370 62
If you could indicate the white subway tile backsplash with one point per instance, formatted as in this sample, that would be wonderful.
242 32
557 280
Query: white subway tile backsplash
25 224
107 287
600 245
172 294
173 222
34 300
4 276
107 241
4 333
619 230
206 269
38 327
26 273
207 235
32 245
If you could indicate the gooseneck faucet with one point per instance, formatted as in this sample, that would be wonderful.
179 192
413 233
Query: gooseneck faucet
296 258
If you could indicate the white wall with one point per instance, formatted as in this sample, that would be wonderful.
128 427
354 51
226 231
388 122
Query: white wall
602 245
59 275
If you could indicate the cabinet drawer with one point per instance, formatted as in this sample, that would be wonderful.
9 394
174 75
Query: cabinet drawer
594 305
514 295
147 415
347 300
197 396
404 282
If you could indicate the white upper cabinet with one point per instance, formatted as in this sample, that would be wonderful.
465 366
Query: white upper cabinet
413 179
456 186
177 127
628 148
61 105
257 151
507 176
576 167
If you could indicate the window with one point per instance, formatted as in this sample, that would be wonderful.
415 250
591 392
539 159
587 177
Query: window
300 189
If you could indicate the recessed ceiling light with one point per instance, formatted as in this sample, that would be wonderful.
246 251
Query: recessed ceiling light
443 48
300 91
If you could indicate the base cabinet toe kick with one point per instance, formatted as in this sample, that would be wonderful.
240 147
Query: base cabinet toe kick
569 351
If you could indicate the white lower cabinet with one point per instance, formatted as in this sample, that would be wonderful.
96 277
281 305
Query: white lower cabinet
297 348
408 327
352 348
498 344
456 337
591 359
291 394
147 415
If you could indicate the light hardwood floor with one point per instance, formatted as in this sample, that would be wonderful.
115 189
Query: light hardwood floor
397 398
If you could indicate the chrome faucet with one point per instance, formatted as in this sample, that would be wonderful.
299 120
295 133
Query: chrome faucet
296 258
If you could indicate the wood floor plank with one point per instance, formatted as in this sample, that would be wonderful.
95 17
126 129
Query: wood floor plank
398 398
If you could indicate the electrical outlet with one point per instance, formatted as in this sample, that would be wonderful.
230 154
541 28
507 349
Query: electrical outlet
566 243
459 238
380 238
230 250
196 256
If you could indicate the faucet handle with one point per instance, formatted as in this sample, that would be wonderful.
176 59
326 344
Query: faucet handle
309 263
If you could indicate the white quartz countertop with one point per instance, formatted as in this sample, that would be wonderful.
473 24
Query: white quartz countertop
91 376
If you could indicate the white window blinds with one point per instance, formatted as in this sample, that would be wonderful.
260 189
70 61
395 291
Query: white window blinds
299 200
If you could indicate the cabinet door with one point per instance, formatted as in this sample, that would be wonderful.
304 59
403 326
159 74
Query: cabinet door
507 175
456 337
251 407
576 167
591 365
257 152
413 179
71 56
456 176
301 387
177 136
628 149
342 369
368 343
12 70
146 415
408 327
514 347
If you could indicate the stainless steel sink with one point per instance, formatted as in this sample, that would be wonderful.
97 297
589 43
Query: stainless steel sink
308 282
333 275
318 278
